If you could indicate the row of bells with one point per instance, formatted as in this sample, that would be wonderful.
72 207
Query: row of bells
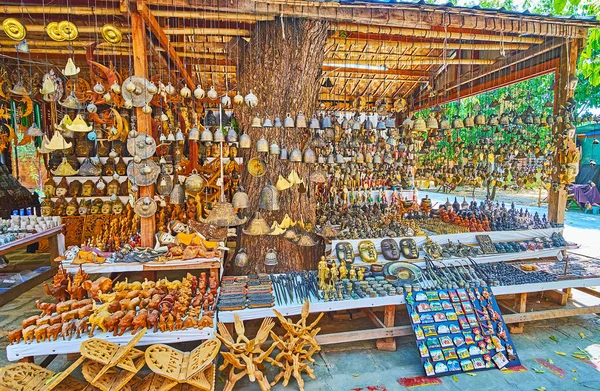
324 122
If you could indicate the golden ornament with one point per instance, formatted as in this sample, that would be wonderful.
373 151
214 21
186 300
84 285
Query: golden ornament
112 34
54 32
68 30
14 29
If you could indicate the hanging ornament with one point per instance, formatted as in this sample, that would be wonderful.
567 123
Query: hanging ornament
23 47
70 68
185 92
251 99
169 89
226 101
53 32
199 92
238 99
112 34
14 29
68 30
212 93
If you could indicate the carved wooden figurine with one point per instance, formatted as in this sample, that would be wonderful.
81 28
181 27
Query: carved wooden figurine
244 354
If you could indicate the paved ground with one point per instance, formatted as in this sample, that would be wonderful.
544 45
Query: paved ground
361 367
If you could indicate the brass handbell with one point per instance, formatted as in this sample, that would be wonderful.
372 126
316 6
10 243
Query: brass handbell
71 102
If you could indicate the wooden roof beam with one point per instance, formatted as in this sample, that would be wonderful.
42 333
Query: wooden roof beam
428 45
490 85
38 28
374 32
416 60
396 15
502 64
153 26
398 72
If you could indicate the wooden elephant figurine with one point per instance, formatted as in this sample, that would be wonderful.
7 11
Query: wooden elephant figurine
29 321
81 326
28 333
112 321
67 330
41 333
15 336
140 320
153 320
102 284
125 323
53 331
98 319
46 308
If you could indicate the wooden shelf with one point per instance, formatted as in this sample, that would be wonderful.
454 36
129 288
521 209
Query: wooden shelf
121 267
82 179
33 238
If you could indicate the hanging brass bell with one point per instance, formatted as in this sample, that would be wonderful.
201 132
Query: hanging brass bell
262 145
469 121
256 122
479 119
269 198
420 125
241 258
274 149
314 123
194 183
245 141
295 155
309 156
223 215
458 123
288 121
300 121
257 226
267 123
432 122
240 199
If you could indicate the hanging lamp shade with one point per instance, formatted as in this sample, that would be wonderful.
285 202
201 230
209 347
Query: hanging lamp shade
306 240
78 125
223 215
276 230
58 142
257 226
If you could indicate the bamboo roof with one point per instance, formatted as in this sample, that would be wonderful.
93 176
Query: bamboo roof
380 50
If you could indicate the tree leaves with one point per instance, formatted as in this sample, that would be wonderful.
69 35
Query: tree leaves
559 5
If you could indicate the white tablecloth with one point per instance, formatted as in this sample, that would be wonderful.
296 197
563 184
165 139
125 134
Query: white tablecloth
20 350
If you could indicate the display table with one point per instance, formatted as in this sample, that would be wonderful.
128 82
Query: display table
119 267
386 330
52 235
469 239
23 350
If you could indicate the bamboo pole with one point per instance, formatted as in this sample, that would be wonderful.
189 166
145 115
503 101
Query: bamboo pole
428 45
207 31
56 10
419 32
409 61
36 28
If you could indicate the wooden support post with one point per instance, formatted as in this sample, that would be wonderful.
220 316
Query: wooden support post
520 307
164 42
144 121
557 197
53 249
569 292
388 344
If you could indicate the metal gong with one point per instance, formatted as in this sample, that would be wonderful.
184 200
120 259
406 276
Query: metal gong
142 145
143 173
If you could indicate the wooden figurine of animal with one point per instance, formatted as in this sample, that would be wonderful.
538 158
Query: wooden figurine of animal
28 333
114 306
153 320
190 322
84 311
205 321
29 321
65 306
81 303
46 308
98 318
41 333
55 320
125 323
42 320
15 336
67 330
102 284
171 322
53 331
133 294
81 326
124 303
178 321
59 293
69 315
139 321
133 303
112 321
107 297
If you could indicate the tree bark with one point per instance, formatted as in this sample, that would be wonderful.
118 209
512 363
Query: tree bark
282 66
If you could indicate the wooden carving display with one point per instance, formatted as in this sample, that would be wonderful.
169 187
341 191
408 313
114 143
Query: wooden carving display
245 355
31 377
172 367
100 362
296 347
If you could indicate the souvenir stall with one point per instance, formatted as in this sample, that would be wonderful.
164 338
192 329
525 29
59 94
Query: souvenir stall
281 148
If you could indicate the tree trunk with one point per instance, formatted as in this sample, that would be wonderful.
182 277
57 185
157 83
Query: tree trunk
282 66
